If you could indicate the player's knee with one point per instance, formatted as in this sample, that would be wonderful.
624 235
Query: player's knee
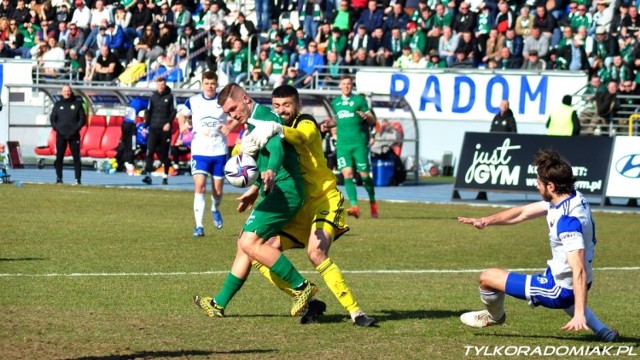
274 242
490 279
485 278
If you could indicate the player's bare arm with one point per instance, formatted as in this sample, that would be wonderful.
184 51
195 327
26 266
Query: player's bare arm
578 322
368 117
510 216
182 123
247 199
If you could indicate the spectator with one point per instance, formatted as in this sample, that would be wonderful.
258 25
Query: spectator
293 77
462 61
359 40
435 62
117 41
397 18
53 61
6 9
426 20
604 46
323 35
573 57
417 60
514 43
67 118
310 62
505 19
100 15
277 65
375 47
468 45
563 120
504 120
371 17
448 45
631 23
603 15
588 108
310 17
484 28
45 31
582 18
359 58
5 52
216 52
337 43
525 22
75 39
535 41
567 37
14 39
415 38
235 62
62 33
141 17
494 46
62 14
245 29
81 16
442 19
508 61
465 20
159 116
404 60
547 24
108 67
433 39
21 13
214 16
29 39
605 103
147 48
77 65
258 81
164 17
385 139
616 22
343 18
394 43
335 69
182 17
90 63
96 38
533 62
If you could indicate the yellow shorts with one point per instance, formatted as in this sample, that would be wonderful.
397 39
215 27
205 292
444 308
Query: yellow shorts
324 212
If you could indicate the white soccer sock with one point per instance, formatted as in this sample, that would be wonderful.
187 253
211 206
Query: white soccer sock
198 208
597 326
494 301
215 202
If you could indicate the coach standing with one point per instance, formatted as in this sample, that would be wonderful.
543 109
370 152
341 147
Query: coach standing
159 116
67 118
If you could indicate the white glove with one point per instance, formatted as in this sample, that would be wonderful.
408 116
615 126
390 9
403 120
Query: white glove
248 147
264 130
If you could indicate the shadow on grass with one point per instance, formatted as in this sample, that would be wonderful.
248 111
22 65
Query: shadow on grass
584 337
393 315
171 354
22 259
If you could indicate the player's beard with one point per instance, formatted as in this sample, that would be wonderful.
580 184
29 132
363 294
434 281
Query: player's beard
546 195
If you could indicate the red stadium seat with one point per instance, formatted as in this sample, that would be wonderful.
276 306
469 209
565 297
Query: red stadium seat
108 144
116 120
50 148
93 137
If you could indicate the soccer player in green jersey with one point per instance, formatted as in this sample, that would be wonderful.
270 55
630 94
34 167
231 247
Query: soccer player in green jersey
353 119
282 191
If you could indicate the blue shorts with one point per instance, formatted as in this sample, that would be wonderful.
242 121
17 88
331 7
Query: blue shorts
208 165
539 290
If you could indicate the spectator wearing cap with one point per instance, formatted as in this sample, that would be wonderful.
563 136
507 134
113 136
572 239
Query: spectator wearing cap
293 78
415 38
434 60
310 16
360 39
245 29
604 46
462 61
465 20
338 43
397 18
371 17
442 18
448 45
117 41
62 13
141 17
535 41
181 17
277 64
533 61
603 14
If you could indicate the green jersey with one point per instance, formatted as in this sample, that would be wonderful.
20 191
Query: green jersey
277 154
277 61
238 60
352 130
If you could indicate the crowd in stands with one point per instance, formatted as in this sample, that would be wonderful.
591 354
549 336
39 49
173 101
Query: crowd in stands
98 39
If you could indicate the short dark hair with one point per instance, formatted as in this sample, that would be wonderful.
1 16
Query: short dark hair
210 75
284 91
552 168
566 99
229 91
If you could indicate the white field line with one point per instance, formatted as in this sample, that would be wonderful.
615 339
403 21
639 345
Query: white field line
365 272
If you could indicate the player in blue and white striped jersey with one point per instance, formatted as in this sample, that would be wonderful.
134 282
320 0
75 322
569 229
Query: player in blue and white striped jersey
210 128
565 283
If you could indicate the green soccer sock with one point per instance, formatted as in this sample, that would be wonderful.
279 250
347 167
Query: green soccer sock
350 187
367 183
285 270
231 286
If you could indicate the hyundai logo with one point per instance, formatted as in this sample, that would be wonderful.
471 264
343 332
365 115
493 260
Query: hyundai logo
629 166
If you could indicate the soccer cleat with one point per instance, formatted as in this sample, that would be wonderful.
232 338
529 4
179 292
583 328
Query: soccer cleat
165 181
315 309
210 308
77 182
364 320
374 210
354 211
58 181
480 319
147 180
198 232
302 298
217 219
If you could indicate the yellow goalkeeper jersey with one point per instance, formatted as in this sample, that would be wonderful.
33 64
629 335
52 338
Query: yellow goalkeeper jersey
305 136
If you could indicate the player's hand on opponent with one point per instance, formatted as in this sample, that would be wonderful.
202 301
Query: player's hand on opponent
247 199
478 223
577 323
327 124
248 147
224 129
263 131
268 179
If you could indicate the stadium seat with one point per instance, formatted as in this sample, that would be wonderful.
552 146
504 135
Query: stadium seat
116 120
110 139
50 148
93 136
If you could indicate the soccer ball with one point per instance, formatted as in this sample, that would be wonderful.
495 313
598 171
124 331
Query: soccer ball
241 170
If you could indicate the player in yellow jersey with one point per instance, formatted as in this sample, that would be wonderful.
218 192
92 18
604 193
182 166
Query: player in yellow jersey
321 219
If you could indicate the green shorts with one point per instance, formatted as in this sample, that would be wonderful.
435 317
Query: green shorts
275 209
354 157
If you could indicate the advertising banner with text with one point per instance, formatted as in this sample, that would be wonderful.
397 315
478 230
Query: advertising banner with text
503 162
474 95
624 173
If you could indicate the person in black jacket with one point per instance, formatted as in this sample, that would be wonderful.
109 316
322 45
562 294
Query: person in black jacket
67 118
159 116
504 120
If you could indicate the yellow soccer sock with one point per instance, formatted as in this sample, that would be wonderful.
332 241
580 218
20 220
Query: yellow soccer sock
332 275
273 278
